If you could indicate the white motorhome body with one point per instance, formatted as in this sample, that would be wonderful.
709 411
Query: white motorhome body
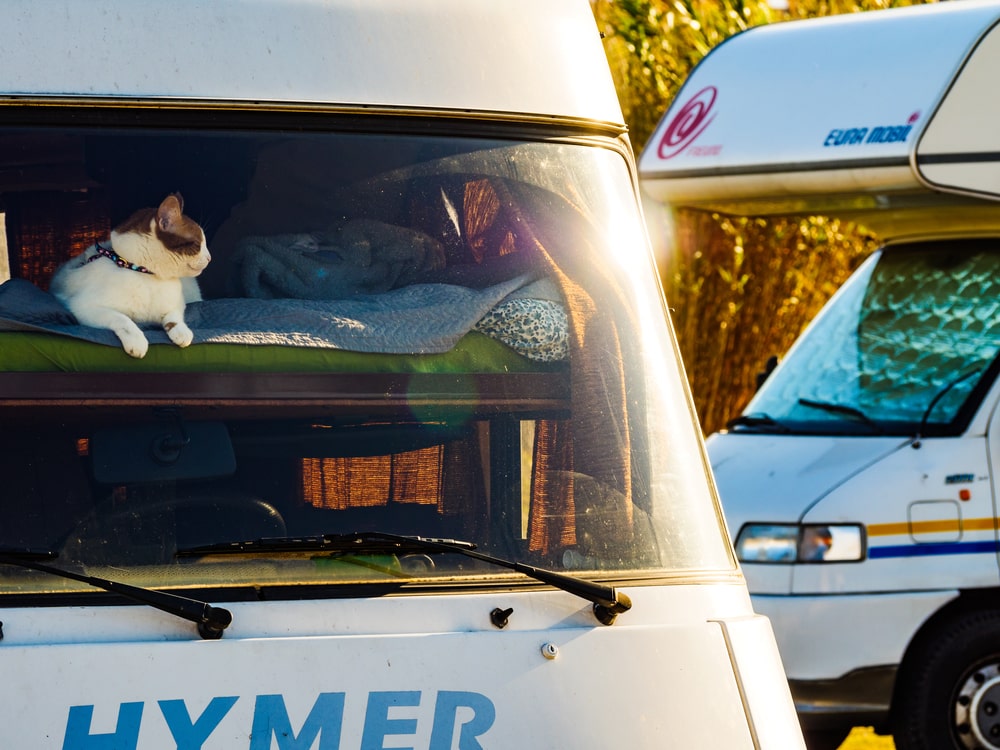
860 483
391 495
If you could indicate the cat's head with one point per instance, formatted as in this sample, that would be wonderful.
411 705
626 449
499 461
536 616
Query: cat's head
163 239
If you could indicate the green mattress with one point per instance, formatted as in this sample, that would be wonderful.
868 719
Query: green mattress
46 352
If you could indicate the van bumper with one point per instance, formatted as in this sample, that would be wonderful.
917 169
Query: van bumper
858 699
841 651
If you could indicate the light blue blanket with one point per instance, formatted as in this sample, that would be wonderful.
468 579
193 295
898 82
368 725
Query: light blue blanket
417 319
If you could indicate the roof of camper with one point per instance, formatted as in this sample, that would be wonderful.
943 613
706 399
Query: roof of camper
862 110
516 56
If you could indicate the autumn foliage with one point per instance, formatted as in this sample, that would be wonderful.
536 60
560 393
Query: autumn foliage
740 289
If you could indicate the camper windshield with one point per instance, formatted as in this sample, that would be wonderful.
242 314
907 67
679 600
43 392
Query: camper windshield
431 334
907 346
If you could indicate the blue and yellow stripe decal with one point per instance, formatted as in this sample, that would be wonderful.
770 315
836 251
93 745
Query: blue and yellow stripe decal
924 549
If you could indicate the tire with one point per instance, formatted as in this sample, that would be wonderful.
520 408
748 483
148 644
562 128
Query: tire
948 695
825 739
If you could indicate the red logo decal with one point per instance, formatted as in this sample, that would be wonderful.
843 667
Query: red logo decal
688 123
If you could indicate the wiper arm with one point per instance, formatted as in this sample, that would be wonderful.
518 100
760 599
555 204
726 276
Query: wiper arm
847 411
211 621
925 418
608 603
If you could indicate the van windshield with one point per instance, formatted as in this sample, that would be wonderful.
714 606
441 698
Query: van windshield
907 346
420 333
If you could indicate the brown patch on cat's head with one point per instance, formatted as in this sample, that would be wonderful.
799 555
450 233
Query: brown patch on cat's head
173 229
176 231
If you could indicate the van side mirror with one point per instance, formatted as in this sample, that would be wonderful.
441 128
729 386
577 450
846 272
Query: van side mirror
769 366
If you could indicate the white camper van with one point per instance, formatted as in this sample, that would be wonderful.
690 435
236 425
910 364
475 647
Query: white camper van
424 473
861 482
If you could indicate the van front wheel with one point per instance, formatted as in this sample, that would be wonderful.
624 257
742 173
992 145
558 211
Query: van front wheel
949 694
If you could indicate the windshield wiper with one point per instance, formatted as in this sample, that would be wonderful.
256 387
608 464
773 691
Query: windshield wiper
608 603
847 411
369 543
758 422
211 621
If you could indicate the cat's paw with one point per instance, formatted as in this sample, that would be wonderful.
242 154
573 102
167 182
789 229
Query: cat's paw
134 343
179 333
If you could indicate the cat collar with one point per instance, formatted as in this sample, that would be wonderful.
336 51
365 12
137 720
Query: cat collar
107 252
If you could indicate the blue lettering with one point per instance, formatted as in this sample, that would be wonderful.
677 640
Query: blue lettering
876 135
900 132
849 137
192 735
271 719
889 134
377 722
463 714
125 736
446 712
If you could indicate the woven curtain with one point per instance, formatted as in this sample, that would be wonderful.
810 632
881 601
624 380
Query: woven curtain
485 237
373 481
447 476
597 441
51 228
551 519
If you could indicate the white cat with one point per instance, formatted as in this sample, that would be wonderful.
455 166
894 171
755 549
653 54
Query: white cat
144 275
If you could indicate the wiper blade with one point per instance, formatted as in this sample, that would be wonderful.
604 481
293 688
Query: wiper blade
759 422
354 544
211 621
28 553
847 411
608 603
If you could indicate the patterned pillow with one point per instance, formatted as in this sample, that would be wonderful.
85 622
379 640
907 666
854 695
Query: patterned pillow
535 328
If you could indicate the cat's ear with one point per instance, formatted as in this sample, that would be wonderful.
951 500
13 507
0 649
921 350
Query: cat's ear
168 215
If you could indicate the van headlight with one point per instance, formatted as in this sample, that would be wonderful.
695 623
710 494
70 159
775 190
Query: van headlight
800 543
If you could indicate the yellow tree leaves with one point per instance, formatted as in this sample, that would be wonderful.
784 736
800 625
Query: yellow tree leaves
740 289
